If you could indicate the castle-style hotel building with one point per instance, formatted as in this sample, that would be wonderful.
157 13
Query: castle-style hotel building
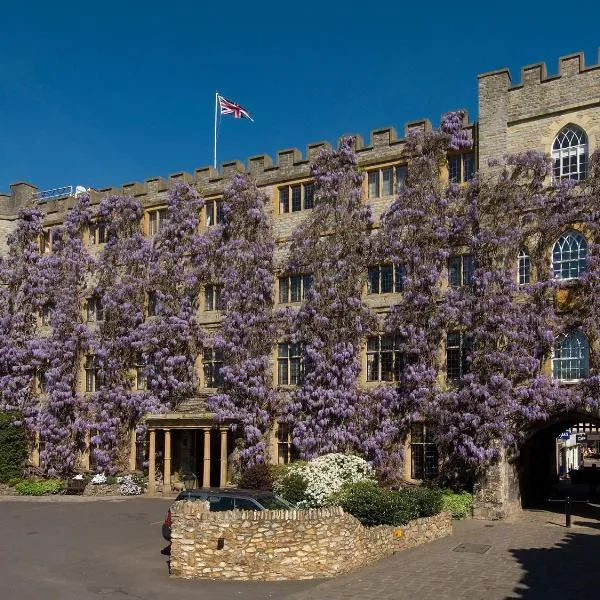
557 114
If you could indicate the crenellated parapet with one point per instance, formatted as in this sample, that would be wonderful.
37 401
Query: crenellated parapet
524 115
290 164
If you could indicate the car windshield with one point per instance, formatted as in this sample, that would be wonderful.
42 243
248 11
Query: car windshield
273 503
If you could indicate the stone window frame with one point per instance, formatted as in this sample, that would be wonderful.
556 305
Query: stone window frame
213 212
461 167
463 266
379 274
295 197
559 260
212 361
564 151
157 217
288 284
573 367
380 186
384 360
423 453
290 364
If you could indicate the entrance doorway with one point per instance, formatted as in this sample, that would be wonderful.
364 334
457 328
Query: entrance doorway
551 463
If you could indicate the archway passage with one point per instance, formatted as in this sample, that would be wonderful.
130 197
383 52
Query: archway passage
551 464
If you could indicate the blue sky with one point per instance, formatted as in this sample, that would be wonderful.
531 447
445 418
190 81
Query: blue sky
101 94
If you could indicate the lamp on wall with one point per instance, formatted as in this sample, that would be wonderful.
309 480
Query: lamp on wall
189 481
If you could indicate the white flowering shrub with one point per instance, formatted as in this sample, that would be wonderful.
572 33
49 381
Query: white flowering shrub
98 479
324 476
129 486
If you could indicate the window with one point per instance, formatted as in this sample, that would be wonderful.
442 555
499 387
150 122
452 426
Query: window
461 167
156 220
384 279
286 451
95 310
45 313
212 361
41 377
569 256
524 268
569 153
460 270
293 288
423 453
46 241
92 374
289 364
98 233
570 358
246 504
213 299
141 382
458 349
152 304
401 175
384 359
297 197
383 182
214 212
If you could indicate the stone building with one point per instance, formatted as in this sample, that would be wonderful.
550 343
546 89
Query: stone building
557 114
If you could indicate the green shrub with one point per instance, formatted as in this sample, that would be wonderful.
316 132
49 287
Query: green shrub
14 480
291 486
257 477
39 488
430 500
459 505
13 448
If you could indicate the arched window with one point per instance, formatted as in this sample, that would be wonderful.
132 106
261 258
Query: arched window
569 256
569 153
570 359
524 267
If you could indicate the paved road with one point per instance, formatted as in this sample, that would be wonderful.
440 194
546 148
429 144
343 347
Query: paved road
101 549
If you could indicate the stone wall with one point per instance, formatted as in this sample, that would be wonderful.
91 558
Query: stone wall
285 545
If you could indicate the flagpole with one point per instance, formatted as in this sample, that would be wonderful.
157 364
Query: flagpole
216 104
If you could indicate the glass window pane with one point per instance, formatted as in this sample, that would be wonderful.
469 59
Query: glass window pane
372 367
454 271
308 195
307 284
468 269
398 278
284 200
373 184
296 289
387 182
210 213
468 166
387 283
296 198
373 280
283 377
284 290
454 168
401 174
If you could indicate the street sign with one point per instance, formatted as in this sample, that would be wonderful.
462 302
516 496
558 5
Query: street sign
580 438
565 435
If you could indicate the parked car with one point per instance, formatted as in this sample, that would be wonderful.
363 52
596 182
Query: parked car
228 499
592 460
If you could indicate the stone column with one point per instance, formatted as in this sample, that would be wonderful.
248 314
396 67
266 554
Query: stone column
206 470
132 450
152 464
223 475
273 457
35 451
167 463
85 455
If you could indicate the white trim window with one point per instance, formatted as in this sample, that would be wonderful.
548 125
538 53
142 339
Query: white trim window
213 298
424 461
461 167
92 374
570 357
570 153
459 346
385 181
524 267
569 256
212 362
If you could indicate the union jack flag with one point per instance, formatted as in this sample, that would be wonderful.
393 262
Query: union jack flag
231 108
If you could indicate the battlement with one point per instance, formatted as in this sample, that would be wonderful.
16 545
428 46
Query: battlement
537 73
291 163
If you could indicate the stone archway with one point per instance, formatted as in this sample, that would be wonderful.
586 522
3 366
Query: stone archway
524 476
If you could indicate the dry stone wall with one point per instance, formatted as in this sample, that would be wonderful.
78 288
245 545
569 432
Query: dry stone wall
285 545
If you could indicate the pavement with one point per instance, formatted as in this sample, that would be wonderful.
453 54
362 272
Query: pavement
112 549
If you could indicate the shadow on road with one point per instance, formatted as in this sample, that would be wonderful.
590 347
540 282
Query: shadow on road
567 570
